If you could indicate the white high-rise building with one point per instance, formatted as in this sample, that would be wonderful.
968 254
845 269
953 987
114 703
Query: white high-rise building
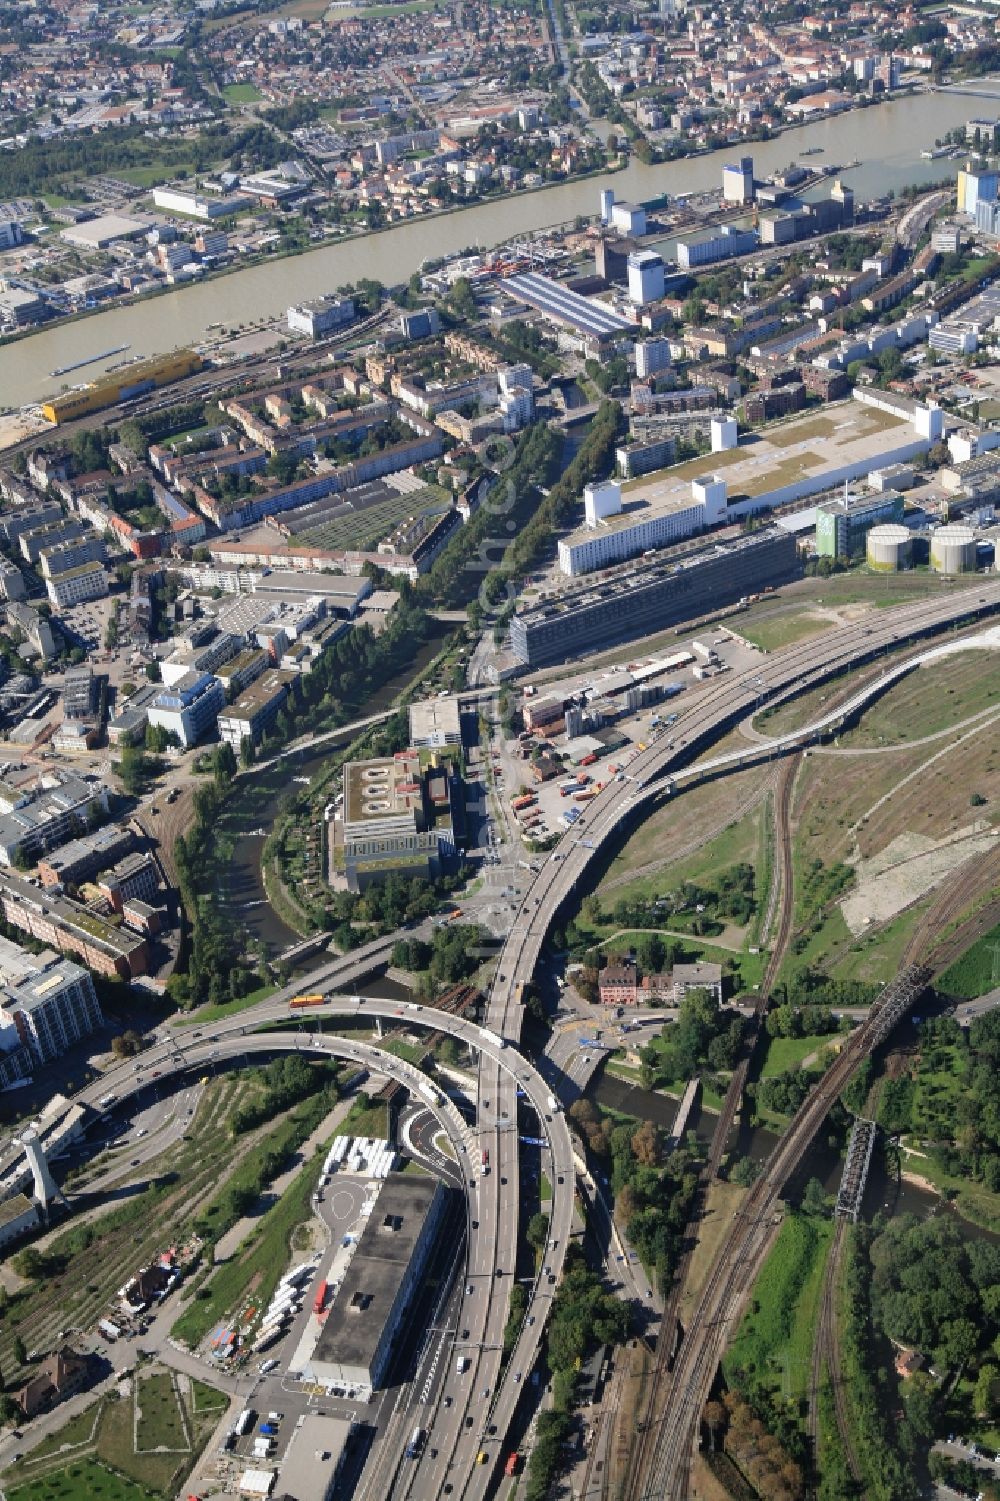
645 277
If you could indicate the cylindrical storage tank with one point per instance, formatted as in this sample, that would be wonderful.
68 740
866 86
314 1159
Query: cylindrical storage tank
889 548
953 549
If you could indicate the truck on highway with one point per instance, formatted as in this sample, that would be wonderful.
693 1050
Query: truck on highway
106 1100
462 1364
513 1463
486 1161
416 1443
553 1103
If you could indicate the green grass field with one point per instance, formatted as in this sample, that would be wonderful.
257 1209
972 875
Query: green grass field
736 844
365 1120
254 1271
785 629
775 1339
128 1448
976 972
242 93
160 1422
784 1053
85 1479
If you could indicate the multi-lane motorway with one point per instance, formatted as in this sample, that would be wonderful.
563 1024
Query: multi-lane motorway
459 1430
476 1417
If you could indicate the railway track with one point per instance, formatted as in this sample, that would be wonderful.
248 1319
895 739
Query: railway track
780 899
826 1356
667 1453
977 876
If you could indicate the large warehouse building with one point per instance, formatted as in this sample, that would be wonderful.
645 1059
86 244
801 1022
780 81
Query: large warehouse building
356 1344
650 596
584 315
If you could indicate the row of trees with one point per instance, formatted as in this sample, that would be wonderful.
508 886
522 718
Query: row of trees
653 1193
759 1454
285 1082
454 953
730 896
584 1315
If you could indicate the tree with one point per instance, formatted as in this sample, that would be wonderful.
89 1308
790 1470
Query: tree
224 765
590 910
646 1145
814 1198
715 1418
745 1172
537 1231
20 1351
987 1392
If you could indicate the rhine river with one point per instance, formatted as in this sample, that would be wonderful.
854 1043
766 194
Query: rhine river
885 139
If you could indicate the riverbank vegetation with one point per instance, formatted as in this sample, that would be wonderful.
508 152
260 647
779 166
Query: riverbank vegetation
653 1191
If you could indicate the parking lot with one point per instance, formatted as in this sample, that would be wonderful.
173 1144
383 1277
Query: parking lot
544 809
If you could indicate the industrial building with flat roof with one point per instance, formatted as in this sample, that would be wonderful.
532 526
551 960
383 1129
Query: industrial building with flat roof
799 457
40 811
584 315
624 522
650 597
343 595
46 1005
435 722
256 709
315 1457
355 1346
399 818
189 707
72 928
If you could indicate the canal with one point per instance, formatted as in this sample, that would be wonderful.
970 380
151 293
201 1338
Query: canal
822 1161
242 900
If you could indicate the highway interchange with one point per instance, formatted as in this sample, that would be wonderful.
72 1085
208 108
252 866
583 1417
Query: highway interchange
454 1443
